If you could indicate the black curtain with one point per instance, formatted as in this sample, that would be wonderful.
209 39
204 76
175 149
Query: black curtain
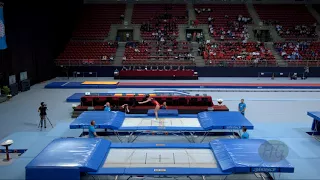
36 33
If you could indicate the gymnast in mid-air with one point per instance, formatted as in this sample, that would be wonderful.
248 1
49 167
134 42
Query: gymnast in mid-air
153 101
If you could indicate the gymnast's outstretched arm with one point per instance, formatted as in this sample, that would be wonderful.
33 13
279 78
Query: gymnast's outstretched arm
143 102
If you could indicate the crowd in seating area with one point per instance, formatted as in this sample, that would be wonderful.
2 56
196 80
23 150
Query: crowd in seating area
159 22
160 30
225 22
298 50
292 22
89 52
157 52
237 53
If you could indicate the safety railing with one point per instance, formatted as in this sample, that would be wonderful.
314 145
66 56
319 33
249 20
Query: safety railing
83 62
240 63
302 63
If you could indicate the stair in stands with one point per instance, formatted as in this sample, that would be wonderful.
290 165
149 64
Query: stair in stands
275 36
198 59
191 13
128 13
119 54
182 32
314 13
279 60
254 15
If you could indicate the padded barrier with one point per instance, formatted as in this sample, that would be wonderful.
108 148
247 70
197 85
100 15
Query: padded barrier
164 112
65 158
223 120
242 156
316 120
103 119
315 115
203 101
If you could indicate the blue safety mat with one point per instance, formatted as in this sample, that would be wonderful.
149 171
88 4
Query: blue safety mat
316 121
242 156
208 121
315 115
67 157
103 119
76 97
223 120
164 112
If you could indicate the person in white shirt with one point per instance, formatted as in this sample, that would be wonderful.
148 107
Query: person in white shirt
209 20
128 36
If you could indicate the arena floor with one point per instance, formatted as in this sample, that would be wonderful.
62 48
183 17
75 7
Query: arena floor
278 115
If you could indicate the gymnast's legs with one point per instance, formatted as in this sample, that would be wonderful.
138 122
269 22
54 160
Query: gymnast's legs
156 109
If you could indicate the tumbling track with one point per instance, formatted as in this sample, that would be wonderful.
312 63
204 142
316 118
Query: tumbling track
80 85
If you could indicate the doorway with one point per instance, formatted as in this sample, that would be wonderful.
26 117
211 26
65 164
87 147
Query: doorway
262 35
124 35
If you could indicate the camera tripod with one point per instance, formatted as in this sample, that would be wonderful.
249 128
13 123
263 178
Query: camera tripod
45 120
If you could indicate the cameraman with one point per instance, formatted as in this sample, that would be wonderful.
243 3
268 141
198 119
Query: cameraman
43 114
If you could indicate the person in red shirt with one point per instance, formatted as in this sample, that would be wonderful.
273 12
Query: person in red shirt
153 101
196 22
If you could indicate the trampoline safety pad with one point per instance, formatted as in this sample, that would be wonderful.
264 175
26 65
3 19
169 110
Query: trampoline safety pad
168 122
143 158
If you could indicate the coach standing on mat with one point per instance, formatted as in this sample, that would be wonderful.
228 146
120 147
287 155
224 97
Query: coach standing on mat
242 107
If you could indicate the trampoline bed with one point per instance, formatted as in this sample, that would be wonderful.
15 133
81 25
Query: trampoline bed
67 158
135 125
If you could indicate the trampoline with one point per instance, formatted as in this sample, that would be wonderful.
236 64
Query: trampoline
168 123
67 158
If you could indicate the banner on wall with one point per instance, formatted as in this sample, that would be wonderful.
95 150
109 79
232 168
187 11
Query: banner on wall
3 43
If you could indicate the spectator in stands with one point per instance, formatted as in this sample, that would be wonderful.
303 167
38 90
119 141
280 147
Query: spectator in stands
122 17
92 130
244 135
189 36
111 58
104 58
124 58
209 19
242 107
196 23
198 37
128 36
222 37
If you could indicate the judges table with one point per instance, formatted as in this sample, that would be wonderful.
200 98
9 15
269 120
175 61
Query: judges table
157 74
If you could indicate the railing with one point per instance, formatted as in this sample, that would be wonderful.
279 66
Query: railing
302 63
214 63
83 62
240 63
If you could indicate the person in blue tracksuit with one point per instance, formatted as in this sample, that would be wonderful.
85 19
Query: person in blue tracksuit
92 130
242 107
107 107
244 135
